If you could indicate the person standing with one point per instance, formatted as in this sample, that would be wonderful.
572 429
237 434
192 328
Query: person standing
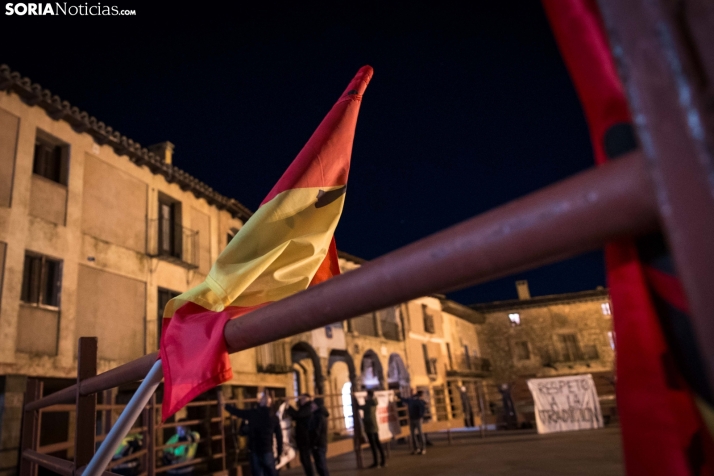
317 429
466 405
417 410
371 427
263 426
302 416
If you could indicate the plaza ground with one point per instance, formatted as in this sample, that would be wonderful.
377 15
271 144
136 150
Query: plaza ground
591 452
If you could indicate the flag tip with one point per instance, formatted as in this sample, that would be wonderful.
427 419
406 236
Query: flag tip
360 81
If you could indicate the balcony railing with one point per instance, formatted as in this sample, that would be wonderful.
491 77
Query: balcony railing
466 364
273 358
172 242
391 330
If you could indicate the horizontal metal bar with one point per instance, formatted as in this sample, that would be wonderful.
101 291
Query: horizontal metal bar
130 372
576 215
63 445
131 457
58 465
573 216
192 462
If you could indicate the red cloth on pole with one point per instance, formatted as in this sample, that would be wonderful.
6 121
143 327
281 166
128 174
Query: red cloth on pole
662 430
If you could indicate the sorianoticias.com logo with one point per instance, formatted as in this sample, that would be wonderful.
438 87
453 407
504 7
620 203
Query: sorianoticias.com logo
63 9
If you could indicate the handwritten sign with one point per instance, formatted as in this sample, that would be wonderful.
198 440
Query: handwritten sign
566 403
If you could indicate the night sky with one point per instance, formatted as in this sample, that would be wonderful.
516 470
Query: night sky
469 107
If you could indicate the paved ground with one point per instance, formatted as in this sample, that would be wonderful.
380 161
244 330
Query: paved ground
586 453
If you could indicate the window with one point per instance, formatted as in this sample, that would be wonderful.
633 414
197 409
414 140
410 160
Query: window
50 160
448 354
590 352
522 351
170 230
428 320
606 309
390 323
569 347
41 280
467 357
515 319
611 338
164 296
364 325
427 361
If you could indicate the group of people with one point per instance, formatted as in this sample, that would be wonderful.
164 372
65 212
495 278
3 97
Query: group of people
310 418
263 428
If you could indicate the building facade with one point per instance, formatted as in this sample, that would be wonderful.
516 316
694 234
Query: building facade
98 233
548 336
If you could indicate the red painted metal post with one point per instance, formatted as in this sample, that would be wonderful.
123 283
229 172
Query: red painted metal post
665 89
576 215
86 417
30 437
579 214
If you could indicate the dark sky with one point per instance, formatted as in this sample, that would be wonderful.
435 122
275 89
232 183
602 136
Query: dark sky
469 107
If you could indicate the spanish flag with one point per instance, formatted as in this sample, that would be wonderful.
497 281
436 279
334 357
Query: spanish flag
286 246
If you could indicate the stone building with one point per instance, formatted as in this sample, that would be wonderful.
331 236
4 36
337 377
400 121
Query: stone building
547 336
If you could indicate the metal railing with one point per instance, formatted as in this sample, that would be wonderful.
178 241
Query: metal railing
469 364
172 242
623 198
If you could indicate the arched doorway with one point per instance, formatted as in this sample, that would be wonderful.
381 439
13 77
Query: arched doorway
397 374
341 376
372 374
306 364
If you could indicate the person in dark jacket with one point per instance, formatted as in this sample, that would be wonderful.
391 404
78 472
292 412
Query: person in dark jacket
302 417
318 436
263 425
417 410
371 427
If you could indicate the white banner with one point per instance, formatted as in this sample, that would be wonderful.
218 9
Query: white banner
386 413
566 403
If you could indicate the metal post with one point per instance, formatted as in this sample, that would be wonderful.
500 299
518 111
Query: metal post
108 399
30 427
482 407
85 419
137 403
673 117
151 439
220 406
357 429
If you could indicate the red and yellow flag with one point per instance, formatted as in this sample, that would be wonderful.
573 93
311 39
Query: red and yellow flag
286 246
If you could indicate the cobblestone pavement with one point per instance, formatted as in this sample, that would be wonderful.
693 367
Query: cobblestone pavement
590 452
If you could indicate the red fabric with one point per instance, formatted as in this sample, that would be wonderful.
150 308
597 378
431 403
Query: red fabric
332 140
197 348
330 265
658 422
668 287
